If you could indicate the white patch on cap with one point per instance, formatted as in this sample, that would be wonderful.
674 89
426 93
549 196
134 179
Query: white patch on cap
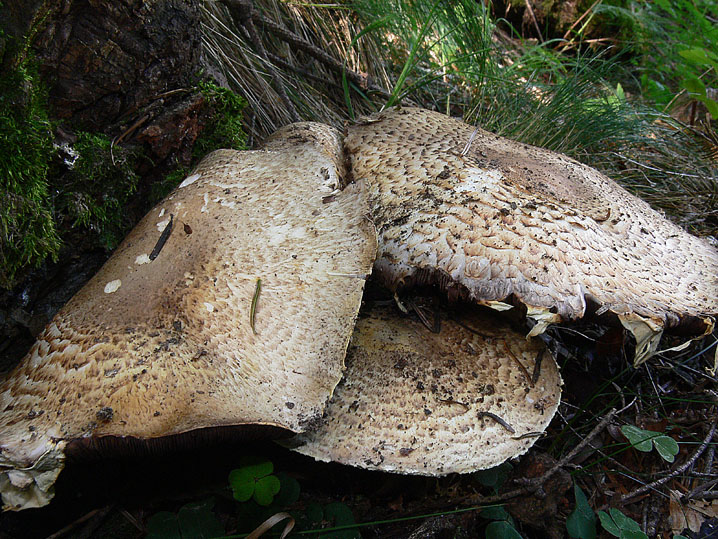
142 259
206 201
210 307
162 225
113 286
189 180
162 212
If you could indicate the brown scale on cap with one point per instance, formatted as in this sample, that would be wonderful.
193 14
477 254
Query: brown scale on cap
491 218
151 348
417 402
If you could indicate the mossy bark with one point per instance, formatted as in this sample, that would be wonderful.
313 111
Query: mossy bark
126 70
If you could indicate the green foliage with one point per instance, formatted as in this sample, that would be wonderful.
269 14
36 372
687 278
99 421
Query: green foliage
225 129
582 522
160 189
646 440
263 494
501 529
665 37
254 480
503 525
93 193
494 477
619 525
27 231
194 520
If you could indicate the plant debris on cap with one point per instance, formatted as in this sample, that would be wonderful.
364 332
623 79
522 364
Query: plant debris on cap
417 402
490 218
232 302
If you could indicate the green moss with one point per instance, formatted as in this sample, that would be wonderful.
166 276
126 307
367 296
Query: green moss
225 128
94 192
164 187
27 230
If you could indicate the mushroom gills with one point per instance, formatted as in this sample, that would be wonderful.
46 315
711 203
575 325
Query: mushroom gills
416 402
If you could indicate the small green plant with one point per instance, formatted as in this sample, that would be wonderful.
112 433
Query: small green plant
494 477
619 525
502 525
331 515
582 522
693 84
664 38
646 440
161 188
195 520
263 494
254 480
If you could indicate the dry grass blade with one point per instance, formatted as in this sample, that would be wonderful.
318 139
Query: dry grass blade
268 524
312 84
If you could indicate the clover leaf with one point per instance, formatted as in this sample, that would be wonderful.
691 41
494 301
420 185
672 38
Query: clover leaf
645 440
619 525
194 520
254 480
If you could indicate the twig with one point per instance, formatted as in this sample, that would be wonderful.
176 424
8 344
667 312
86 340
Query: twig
537 367
650 486
535 483
499 420
578 21
94 514
163 239
253 307
533 18
700 491
270 523
319 54
516 360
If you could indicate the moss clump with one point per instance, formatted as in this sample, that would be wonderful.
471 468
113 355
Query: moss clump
160 189
225 128
27 229
98 185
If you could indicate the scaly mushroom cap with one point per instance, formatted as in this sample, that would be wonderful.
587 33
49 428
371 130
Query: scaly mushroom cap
175 332
488 217
417 402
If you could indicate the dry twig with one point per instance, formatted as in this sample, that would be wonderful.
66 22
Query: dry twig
682 468
534 484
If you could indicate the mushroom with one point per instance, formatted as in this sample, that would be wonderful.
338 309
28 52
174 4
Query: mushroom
498 221
231 303
242 315
411 401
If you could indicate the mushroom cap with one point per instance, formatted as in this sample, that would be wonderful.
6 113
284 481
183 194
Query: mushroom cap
155 346
413 402
490 218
